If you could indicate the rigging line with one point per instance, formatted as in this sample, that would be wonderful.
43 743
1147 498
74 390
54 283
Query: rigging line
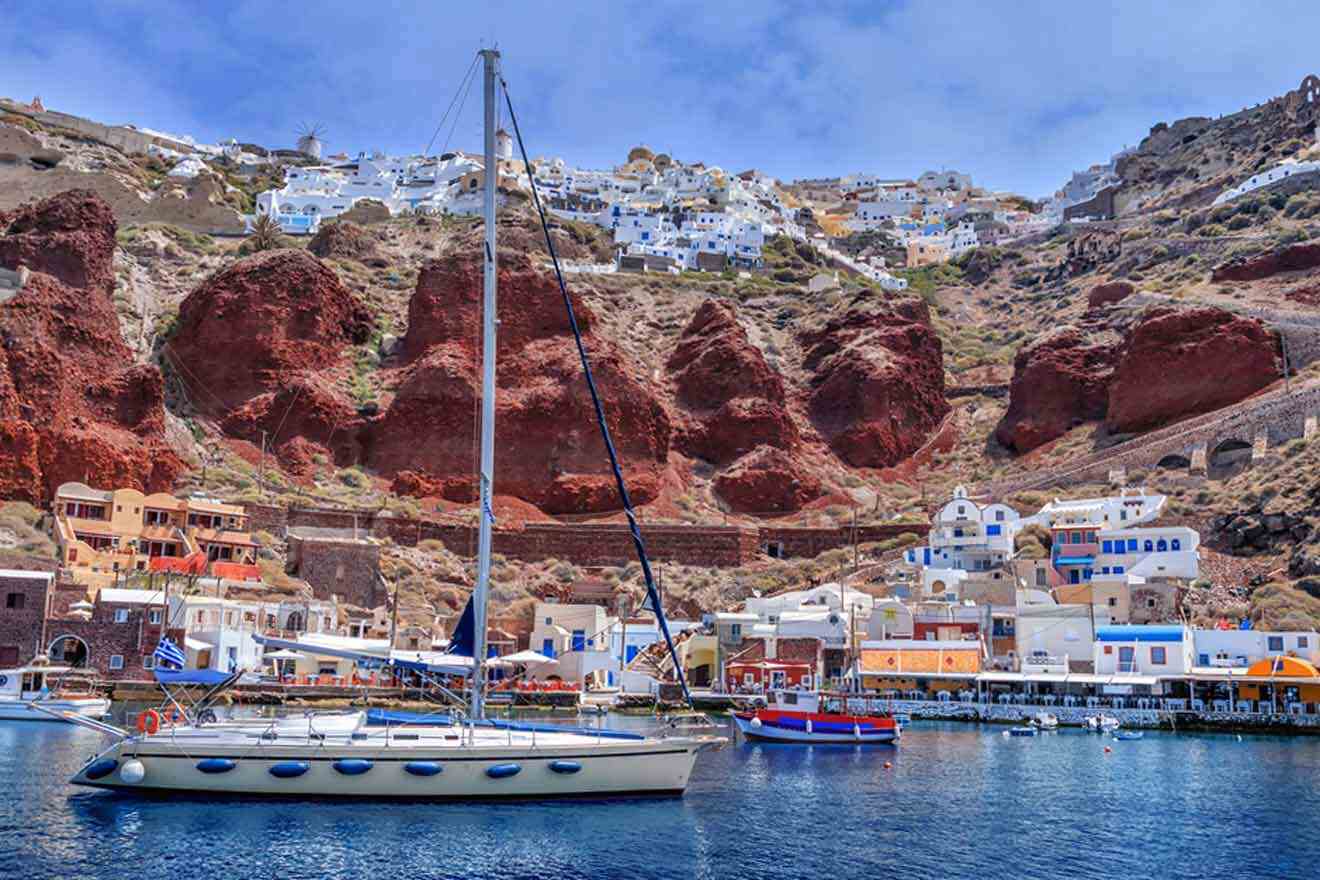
459 115
462 83
653 594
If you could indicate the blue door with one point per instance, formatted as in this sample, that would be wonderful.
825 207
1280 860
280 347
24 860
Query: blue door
579 640
630 653
1074 577
548 647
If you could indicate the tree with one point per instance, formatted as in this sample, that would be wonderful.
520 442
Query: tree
266 235
1033 542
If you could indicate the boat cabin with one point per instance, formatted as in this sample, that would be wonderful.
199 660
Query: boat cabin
28 682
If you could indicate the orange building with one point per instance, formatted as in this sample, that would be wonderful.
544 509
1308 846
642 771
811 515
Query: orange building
896 662
1283 674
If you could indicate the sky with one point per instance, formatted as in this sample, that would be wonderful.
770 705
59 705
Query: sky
1018 94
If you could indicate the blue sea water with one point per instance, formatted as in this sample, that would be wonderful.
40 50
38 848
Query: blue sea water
958 801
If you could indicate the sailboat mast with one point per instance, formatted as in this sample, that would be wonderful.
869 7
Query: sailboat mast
480 597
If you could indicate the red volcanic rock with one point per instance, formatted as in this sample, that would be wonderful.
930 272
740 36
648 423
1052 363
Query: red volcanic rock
1176 363
738 427
252 324
735 398
1058 382
70 236
1110 292
548 446
1289 259
714 362
767 480
73 405
877 383
446 306
324 422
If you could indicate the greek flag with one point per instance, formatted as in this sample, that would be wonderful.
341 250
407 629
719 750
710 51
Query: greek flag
168 654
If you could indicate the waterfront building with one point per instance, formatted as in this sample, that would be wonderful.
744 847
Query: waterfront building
965 537
1240 648
1147 651
104 534
25 605
927 665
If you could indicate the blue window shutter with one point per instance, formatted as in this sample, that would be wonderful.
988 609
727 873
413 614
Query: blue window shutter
1108 546
1132 545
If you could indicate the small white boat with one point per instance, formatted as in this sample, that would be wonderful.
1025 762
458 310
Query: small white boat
1102 723
1045 721
1026 730
54 688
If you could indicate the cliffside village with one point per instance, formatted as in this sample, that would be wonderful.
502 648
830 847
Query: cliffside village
968 612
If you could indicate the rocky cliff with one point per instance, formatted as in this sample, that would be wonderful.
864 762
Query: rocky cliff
73 405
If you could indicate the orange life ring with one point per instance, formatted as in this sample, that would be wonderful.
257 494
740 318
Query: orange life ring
148 722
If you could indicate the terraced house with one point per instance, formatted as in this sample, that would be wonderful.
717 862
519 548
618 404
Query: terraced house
104 534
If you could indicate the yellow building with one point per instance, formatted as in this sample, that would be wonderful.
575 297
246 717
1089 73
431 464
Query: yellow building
102 533
1282 674
926 251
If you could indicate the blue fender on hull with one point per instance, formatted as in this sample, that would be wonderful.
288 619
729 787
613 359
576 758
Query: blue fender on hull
423 768
289 769
565 766
352 766
503 771
216 765
102 768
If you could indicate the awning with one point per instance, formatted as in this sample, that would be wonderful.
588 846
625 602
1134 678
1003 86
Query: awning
1002 676
282 654
531 658
1074 560
196 644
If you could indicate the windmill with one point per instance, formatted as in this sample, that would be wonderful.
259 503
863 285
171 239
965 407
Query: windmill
309 139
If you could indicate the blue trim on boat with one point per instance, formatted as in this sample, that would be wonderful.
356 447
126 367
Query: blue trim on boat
352 766
101 768
216 765
423 768
382 717
503 771
565 766
289 769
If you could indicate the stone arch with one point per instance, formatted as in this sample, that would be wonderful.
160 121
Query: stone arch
1309 91
1174 461
296 622
69 650
1229 453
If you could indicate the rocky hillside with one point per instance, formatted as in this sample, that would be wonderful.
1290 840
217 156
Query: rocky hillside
144 351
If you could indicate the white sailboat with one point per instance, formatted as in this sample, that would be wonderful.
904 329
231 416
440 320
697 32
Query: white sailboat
464 755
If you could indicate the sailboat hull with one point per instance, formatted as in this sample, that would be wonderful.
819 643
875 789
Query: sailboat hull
362 769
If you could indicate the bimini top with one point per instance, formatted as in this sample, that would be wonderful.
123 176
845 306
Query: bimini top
1139 634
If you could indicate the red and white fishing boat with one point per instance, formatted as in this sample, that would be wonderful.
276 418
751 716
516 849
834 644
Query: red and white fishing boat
811 717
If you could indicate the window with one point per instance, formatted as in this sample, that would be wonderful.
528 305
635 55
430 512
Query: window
16 601
1113 603
1125 655
735 630
1077 537
1149 546
1150 603
1118 569
1175 544
121 615
1132 545
993 529
116 661
1303 642
1162 545
154 615
1109 649
1107 546
149 661
999 516
1275 643
1157 657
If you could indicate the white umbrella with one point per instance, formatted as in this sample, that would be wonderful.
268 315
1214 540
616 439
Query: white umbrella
530 658
282 654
